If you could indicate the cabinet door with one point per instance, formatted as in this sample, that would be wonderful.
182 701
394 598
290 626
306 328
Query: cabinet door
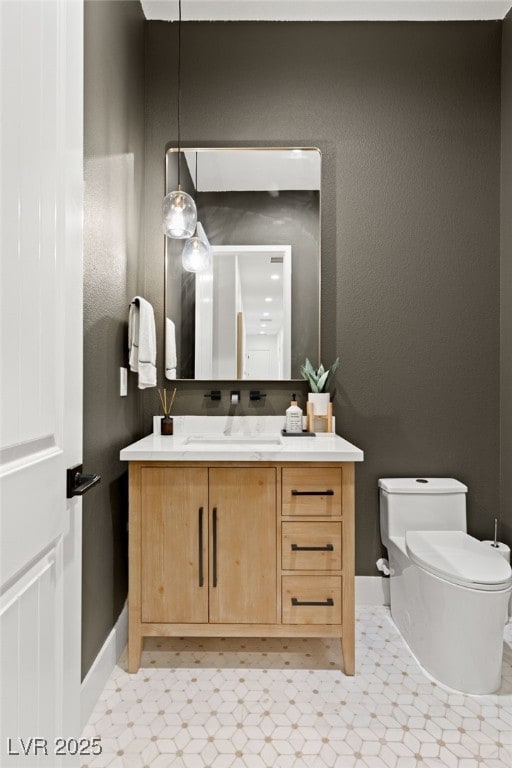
243 545
174 541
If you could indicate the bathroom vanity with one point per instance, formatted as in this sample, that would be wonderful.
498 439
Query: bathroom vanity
241 533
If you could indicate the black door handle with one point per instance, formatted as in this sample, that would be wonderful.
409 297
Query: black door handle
77 483
313 493
327 548
328 603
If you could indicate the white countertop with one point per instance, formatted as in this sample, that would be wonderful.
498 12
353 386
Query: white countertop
260 440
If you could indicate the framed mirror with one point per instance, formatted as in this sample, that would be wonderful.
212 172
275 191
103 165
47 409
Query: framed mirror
253 311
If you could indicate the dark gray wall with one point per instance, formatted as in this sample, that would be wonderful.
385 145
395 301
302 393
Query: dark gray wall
114 157
506 283
407 116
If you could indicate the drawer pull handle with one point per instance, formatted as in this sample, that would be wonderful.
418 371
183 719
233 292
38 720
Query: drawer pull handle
327 548
313 493
328 603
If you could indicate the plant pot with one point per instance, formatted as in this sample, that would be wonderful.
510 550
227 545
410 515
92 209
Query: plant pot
320 402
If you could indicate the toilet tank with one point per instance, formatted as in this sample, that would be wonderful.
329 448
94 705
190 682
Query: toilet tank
421 504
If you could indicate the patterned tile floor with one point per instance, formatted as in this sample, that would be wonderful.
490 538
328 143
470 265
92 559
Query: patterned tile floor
212 703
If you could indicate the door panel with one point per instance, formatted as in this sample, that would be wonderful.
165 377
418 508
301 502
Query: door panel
41 54
30 652
174 525
243 502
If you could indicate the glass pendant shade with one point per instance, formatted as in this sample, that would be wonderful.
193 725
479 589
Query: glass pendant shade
179 215
196 255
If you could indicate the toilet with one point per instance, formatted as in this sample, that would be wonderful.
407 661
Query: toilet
449 592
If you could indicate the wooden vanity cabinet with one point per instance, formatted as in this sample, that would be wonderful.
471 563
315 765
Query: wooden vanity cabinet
242 545
174 545
208 545
251 549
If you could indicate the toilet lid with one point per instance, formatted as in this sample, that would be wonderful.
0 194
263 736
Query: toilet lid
458 558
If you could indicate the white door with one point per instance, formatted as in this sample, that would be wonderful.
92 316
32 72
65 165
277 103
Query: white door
41 55
258 364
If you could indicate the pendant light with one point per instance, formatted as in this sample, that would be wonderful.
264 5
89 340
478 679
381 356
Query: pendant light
196 255
179 215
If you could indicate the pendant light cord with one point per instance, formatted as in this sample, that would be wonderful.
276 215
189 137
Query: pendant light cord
179 93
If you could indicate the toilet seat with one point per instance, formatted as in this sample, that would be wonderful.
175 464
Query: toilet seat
458 558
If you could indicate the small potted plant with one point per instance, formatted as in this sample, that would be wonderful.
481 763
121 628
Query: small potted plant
166 400
319 381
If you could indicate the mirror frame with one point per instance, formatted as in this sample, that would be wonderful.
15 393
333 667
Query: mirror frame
189 147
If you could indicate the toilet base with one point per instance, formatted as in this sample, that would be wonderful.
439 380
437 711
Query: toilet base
456 633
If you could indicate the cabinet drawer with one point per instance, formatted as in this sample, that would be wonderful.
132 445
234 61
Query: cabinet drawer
311 546
311 599
314 491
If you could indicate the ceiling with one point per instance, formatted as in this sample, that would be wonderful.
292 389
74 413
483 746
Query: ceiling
254 170
327 10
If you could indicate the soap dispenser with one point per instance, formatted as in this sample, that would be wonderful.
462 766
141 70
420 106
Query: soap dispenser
294 417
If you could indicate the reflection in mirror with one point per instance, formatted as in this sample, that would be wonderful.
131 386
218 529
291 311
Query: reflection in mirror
254 312
243 314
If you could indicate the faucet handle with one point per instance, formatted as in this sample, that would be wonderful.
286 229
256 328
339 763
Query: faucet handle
255 394
214 394
235 396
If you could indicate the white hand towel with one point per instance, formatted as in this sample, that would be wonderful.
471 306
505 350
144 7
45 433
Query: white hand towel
142 342
170 349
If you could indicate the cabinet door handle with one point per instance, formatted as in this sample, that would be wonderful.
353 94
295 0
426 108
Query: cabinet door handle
329 602
201 574
214 542
327 548
313 493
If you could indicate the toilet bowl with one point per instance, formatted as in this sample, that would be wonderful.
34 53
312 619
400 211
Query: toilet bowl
449 592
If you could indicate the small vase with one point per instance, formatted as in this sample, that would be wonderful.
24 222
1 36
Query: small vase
166 425
320 402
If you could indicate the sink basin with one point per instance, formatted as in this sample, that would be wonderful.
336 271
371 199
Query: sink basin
233 440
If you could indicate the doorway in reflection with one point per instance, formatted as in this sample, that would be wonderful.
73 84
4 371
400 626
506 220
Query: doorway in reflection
243 314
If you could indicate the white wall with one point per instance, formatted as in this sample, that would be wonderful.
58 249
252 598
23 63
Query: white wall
224 317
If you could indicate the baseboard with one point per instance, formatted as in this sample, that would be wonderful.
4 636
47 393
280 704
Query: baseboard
96 678
372 590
